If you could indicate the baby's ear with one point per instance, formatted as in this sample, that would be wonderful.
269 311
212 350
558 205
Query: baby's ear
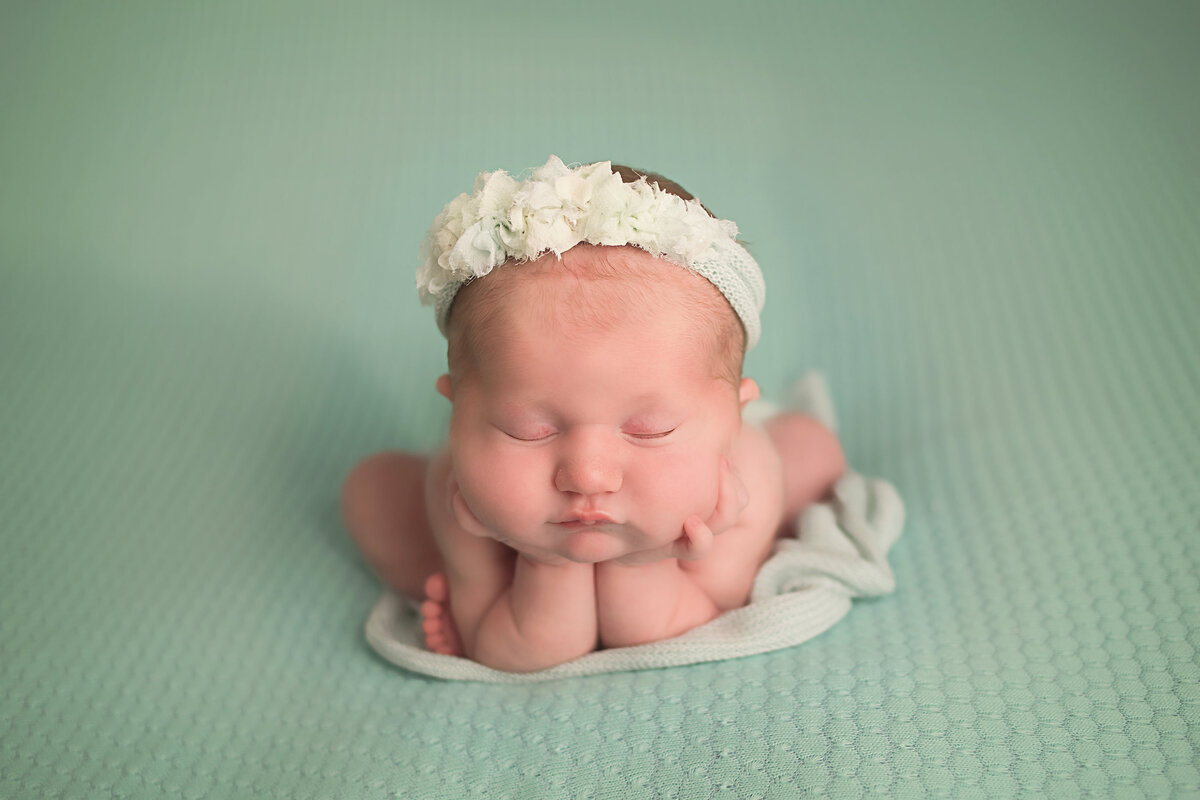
747 391
444 388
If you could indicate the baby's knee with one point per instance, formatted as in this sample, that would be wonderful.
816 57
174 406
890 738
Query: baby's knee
379 482
363 482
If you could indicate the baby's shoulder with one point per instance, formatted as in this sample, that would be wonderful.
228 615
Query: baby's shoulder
438 464
755 456
760 468
438 493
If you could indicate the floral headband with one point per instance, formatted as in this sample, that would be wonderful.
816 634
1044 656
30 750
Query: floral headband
558 207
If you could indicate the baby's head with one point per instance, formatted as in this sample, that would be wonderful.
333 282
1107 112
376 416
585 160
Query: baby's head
585 232
595 364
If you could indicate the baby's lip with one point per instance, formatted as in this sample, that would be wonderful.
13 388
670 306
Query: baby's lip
586 518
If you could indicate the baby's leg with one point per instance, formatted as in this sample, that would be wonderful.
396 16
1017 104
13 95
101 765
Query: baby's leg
812 459
383 505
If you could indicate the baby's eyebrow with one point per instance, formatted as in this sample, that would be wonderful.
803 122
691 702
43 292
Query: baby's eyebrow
656 398
524 411
658 413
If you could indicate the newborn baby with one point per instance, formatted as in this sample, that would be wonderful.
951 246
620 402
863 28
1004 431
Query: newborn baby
598 488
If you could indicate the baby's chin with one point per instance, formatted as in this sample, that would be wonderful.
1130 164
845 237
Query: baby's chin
596 545
592 545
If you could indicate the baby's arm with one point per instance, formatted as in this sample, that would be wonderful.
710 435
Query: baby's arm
511 613
645 602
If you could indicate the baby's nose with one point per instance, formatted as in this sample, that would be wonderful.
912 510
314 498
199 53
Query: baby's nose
588 467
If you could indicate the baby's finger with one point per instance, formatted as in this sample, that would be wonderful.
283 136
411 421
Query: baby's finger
696 541
732 498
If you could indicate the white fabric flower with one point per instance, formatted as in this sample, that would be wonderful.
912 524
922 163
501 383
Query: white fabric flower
558 207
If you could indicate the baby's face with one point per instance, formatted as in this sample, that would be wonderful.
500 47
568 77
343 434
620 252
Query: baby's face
570 440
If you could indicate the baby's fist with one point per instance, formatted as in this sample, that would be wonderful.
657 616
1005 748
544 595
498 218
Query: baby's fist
732 498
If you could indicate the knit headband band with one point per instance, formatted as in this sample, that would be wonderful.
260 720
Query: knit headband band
558 207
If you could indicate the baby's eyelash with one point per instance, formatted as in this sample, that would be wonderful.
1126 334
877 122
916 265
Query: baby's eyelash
537 438
658 435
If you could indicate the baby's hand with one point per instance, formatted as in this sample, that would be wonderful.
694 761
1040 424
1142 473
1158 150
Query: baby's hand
732 498
466 519
461 514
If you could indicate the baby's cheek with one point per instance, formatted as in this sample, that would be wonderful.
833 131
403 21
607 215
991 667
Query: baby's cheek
686 485
496 487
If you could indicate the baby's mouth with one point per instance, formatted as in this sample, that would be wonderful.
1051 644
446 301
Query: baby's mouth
586 519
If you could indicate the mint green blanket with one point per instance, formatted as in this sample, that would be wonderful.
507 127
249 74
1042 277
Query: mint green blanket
978 220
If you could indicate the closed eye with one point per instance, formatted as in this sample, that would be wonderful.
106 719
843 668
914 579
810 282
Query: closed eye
538 437
658 435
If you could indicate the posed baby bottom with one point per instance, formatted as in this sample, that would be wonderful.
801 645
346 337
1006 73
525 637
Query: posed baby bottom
807 585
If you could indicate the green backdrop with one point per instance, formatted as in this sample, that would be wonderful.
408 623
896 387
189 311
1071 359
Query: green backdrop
980 220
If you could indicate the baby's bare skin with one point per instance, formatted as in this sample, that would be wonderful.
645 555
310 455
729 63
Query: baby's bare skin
599 488
634 602
400 544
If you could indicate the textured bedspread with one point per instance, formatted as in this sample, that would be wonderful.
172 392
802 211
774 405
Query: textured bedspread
981 223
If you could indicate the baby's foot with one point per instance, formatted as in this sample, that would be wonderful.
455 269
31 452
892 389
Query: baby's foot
441 635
